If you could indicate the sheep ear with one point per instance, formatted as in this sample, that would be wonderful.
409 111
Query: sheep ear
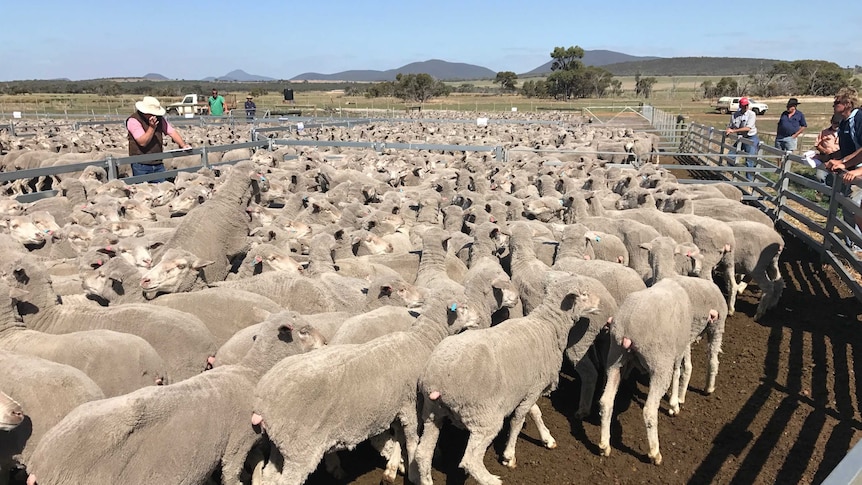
17 293
198 264
500 283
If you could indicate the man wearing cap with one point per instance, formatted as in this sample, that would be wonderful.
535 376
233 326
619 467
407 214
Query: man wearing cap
742 123
250 108
791 124
146 128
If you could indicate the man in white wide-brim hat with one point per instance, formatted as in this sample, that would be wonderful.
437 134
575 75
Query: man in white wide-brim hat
147 127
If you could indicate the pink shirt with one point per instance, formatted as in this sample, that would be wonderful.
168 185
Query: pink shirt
827 141
137 129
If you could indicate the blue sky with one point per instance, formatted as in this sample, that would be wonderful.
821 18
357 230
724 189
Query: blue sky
193 39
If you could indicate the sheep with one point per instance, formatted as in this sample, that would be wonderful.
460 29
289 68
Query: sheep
117 362
709 313
667 257
181 339
216 231
478 378
526 269
60 389
653 327
756 257
161 435
392 305
379 376
266 257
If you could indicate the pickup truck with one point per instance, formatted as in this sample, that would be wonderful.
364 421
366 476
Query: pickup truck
196 104
729 104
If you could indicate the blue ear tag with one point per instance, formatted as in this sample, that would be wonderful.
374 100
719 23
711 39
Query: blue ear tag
453 307
598 239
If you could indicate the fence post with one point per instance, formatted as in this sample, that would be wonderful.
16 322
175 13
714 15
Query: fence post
499 155
782 186
112 167
831 215
204 159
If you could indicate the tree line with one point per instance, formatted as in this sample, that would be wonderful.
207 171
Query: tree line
801 78
170 88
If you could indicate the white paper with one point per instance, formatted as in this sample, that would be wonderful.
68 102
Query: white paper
16 114
300 126
481 121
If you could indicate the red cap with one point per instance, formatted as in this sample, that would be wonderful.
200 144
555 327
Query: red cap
743 101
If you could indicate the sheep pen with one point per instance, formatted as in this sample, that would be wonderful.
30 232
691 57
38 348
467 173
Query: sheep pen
786 408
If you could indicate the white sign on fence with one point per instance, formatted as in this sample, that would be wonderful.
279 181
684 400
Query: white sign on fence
300 126
481 121
189 115
16 114
514 109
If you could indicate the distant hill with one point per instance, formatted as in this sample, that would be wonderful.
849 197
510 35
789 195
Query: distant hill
442 70
239 75
155 77
598 58
691 66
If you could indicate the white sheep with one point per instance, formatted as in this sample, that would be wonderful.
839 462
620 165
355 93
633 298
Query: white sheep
478 378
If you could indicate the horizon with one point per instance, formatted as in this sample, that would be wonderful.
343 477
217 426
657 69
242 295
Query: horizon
330 37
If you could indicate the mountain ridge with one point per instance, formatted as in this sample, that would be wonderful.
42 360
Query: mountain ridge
619 64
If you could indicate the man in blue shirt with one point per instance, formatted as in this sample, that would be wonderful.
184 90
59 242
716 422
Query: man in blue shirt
791 124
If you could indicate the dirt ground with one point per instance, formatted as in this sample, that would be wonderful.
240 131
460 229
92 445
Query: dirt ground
786 408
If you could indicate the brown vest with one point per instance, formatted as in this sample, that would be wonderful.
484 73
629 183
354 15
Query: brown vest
155 144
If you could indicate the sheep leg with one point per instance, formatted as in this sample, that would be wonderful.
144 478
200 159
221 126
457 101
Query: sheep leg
296 469
384 444
714 350
589 376
516 424
659 383
686 374
767 288
606 407
544 432
272 469
232 464
479 441
420 468
407 427
674 387
731 288
392 448
257 470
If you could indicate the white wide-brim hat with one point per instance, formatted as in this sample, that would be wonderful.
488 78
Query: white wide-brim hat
151 106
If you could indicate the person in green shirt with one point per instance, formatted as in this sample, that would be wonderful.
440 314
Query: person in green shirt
217 104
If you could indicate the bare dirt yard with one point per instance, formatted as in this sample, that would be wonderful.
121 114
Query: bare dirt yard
786 408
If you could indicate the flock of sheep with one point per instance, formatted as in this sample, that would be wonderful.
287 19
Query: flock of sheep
244 323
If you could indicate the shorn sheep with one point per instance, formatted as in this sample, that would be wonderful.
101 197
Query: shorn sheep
478 378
